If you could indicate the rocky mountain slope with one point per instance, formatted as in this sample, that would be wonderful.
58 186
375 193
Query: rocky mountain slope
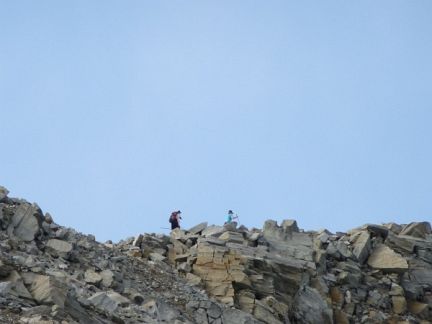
212 274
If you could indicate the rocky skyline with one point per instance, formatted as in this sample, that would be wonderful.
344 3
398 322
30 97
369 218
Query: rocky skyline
50 274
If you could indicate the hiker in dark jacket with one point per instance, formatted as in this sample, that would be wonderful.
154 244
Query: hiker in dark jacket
175 219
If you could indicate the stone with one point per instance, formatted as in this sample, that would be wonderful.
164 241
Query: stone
245 300
235 316
58 248
178 234
384 258
399 304
192 279
396 290
212 230
26 222
272 231
289 225
361 247
421 309
46 289
198 228
393 227
14 285
92 277
264 313
157 257
230 226
107 278
48 218
417 229
214 311
184 267
377 230
232 237
108 301
310 307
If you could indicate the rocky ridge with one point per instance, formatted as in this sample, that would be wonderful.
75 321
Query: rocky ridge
50 274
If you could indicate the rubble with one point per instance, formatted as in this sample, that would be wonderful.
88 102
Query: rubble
212 274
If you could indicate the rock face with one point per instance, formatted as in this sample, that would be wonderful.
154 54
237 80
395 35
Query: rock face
212 274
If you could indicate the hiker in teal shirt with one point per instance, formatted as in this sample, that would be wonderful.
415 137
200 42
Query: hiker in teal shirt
230 217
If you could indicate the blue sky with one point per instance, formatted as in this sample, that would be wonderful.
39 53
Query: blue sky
115 113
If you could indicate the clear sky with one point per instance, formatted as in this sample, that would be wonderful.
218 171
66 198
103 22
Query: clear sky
115 113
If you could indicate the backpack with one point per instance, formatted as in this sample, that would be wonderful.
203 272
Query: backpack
171 218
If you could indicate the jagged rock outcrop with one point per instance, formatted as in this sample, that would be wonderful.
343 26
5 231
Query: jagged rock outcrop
212 274
51 274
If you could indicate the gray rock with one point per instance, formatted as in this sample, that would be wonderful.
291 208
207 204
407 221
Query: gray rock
14 285
46 289
417 229
289 225
212 230
108 301
107 278
26 222
157 257
198 228
230 227
272 231
362 247
214 311
309 307
92 277
59 248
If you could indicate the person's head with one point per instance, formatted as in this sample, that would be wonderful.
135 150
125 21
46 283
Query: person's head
230 212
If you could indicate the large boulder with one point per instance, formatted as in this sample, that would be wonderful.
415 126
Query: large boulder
417 229
384 258
362 246
46 289
309 307
58 248
26 222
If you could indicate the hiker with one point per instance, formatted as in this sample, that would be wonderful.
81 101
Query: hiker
175 219
230 217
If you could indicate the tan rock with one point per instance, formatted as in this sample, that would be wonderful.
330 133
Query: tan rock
337 296
58 247
46 289
92 277
417 308
340 317
399 304
384 258
192 279
245 300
